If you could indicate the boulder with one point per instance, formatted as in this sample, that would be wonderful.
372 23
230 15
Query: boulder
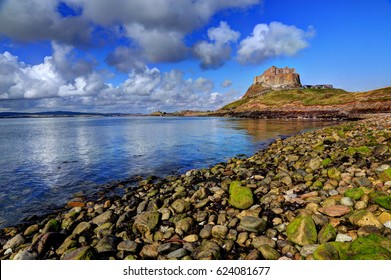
240 197
302 231
365 218
146 222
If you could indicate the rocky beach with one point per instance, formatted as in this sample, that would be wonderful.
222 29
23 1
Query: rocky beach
318 195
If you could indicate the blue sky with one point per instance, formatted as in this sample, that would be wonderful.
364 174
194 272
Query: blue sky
134 56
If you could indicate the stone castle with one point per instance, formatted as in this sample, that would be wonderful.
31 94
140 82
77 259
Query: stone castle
278 78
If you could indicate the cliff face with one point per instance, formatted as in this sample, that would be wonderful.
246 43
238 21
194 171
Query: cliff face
274 79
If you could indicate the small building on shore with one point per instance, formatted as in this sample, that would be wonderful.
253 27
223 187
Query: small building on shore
325 86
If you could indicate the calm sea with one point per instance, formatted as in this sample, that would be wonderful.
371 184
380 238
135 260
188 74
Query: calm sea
44 162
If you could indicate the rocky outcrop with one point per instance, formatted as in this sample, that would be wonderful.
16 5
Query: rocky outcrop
278 78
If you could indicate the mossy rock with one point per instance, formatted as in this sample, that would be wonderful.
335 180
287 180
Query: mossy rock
52 225
363 150
331 251
327 233
326 162
363 218
317 184
146 222
268 252
354 193
384 201
371 247
319 147
385 175
302 231
351 151
83 253
240 197
334 173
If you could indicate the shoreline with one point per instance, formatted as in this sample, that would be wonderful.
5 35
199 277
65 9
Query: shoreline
329 181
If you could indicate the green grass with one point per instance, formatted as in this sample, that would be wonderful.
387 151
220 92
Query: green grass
312 97
235 104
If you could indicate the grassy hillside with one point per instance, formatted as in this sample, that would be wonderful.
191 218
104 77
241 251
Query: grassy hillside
311 97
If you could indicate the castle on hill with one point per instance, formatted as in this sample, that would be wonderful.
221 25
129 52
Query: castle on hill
283 78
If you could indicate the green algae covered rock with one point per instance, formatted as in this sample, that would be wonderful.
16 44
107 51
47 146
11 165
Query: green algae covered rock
365 218
334 173
351 151
385 175
363 150
326 234
384 201
146 222
371 247
331 251
240 197
354 193
207 251
302 231
326 162
52 226
268 252
83 253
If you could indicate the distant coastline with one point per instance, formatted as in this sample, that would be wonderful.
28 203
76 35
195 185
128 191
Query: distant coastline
61 114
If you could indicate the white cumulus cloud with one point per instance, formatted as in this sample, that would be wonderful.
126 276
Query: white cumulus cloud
58 75
58 83
273 40
215 53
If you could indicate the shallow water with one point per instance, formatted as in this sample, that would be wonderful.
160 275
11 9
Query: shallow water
43 162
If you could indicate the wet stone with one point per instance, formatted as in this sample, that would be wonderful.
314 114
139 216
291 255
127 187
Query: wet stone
335 210
103 218
308 249
191 238
82 228
347 201
206 231
31 230
25 255
365 218
107 244
268 252
179 253
168 247
253 255
261 240
343 238
83 253
252 224
219 231
128 246
149 252
14 242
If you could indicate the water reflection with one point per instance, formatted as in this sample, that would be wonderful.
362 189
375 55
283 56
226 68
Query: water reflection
261 129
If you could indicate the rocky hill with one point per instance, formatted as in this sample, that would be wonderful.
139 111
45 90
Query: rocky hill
278 93
274 79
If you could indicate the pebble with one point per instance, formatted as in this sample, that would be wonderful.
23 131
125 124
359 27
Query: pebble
308 249
343 238
179 253
335 210
347 201
14 242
